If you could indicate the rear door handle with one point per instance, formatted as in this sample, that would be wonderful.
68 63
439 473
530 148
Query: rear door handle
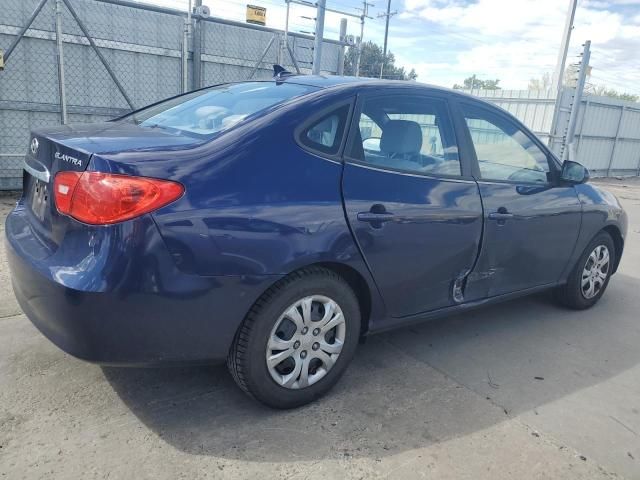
375 217
500 216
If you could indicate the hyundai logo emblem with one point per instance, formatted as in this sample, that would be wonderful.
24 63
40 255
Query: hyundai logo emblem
34 146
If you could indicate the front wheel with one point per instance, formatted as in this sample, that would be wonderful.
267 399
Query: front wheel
297 340
590 276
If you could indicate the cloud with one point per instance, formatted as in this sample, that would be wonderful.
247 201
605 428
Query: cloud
519 39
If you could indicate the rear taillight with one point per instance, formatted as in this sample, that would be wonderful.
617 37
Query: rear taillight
104 198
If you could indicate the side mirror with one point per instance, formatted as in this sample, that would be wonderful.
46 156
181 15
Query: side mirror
573 172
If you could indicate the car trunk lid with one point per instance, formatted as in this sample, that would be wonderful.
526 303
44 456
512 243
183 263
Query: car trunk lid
71 148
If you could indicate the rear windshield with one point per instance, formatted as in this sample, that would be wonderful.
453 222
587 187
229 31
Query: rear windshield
208 112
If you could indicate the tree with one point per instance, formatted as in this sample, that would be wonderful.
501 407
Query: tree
474 83
542 83
371 61
571 80
604 91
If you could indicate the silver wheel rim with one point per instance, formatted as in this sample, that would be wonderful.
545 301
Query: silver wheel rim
595 271
305 342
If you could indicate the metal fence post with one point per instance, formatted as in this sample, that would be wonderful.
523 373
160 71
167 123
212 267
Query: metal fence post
615 140
279 53
577 100
185 50
196 80
60 58
343 37
317 41
285 39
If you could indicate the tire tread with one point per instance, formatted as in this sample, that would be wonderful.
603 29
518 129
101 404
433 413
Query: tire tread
569 295
239 350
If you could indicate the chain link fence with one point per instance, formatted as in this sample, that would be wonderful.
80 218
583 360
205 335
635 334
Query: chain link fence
116 55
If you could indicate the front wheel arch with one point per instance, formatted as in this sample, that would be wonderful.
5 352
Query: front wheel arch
618 243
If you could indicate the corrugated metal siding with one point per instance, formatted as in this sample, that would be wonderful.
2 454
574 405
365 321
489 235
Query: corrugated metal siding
607 141
534 108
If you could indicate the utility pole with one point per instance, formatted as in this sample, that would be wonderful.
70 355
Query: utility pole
558 74
564 46
285 40
365 14
360 46
317 42
569 151
389 14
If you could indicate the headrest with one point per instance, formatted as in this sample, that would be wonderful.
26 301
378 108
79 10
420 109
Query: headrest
401 136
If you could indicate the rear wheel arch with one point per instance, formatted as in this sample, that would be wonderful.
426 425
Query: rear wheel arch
349 274
359 286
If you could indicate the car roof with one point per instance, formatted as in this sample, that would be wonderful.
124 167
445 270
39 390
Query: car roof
324 81
337 81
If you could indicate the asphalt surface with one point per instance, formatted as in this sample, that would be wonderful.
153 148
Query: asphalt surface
520 390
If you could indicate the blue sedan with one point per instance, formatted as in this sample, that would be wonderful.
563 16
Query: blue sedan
273 224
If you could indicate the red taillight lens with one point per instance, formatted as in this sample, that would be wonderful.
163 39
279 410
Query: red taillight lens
103 198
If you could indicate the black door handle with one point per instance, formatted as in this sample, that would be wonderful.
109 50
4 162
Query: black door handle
376 216
501 215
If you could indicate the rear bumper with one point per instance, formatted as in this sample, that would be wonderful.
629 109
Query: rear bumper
177 318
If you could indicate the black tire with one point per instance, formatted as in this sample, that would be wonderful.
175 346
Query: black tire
570 294
247 358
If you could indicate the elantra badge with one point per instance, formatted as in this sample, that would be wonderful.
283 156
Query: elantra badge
68 159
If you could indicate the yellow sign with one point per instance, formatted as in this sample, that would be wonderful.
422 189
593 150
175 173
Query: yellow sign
256 15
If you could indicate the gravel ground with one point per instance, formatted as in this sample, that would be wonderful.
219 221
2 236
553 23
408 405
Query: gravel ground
518 390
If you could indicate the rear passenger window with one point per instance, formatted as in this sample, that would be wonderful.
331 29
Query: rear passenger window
409 133
325 134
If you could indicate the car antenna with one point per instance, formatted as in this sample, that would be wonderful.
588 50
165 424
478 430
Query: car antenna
279 71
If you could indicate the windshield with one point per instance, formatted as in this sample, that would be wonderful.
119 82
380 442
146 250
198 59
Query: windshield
214 110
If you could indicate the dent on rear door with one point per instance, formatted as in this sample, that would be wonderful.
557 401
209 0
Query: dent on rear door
432 240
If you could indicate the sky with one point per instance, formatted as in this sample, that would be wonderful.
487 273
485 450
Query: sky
448 41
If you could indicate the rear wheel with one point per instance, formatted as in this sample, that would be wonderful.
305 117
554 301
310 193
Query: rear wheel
297 340
590 276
